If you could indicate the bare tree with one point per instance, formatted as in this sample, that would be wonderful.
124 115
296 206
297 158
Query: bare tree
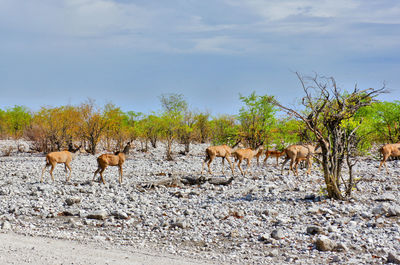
327 112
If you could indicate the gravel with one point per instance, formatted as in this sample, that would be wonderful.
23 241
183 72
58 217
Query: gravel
262 218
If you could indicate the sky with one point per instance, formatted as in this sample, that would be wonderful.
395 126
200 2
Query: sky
129 53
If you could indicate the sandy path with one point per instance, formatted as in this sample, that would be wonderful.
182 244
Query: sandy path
20 249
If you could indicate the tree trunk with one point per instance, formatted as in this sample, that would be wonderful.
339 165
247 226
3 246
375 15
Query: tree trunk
187 143
92 146
187 147
331 187
153 141
169 147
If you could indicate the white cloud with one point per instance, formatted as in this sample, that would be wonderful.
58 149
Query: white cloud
103 17
196 24
180 27
221 44
80 18
272 10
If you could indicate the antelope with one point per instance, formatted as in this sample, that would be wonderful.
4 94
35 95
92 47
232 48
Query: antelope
296 153
268 153
116 159
388 150
222 151
60 157
273 153
248 154
259 153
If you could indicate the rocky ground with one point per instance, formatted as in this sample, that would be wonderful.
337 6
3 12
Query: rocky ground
265 218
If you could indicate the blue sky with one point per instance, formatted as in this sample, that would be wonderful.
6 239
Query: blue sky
130 52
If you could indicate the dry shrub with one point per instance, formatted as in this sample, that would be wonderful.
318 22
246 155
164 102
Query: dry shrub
36 135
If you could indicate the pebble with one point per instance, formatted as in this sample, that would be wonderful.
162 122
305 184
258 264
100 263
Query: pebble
277 234
393 211
100 215
313 230
323 243
393 258
72 200
273 253
6 225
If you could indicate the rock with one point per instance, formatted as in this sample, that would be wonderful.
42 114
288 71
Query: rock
189 212
234 233
70 212
72 200
99 238
23 147
270 212
82 213
289 260
277 234
380 209
380 220
341 247
393 211
6 225
325 211
240 213
73 223
264 237
181 225
273 253
323 243
365 215
332 229
386 197
309 197
282 220
352 224
313 210
99 215
313 230
120 214
393 258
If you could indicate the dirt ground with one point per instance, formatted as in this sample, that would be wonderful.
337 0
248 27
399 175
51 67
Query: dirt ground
20 249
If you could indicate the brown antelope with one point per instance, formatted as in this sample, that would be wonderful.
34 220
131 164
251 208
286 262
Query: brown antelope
272 153
296 153
260 152
389 150
222 151
248 154
116 159
61 157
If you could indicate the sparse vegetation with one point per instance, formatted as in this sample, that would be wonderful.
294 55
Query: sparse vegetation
343 123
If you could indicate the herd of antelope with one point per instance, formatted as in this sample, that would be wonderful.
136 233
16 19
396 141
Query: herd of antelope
294 153
103 161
